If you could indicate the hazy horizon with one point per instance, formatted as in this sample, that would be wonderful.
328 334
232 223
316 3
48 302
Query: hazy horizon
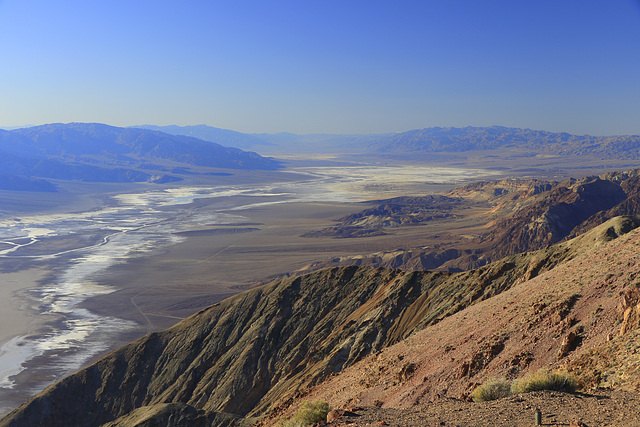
9 128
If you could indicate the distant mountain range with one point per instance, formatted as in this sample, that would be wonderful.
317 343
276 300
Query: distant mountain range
439 139
148 153
284 142
100 153
427 140
221 136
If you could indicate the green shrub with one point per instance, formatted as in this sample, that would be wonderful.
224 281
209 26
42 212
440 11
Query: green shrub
545 380
308 415
492 390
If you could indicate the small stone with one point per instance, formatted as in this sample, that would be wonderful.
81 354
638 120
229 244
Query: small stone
334 415
577 423
382 423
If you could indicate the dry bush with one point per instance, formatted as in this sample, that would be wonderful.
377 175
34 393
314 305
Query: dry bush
492 390
308 415
546 380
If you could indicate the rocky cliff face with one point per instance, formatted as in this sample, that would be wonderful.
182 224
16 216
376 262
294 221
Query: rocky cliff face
554 217
258 351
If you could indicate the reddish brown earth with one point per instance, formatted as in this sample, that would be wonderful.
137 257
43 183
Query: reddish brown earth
524 329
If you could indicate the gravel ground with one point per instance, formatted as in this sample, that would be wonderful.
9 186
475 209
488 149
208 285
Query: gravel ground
598 408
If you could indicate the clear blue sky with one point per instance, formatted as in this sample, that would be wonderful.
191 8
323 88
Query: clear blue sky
348 66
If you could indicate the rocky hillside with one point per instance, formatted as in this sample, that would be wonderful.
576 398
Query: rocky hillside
390 213
498 198
254 354
581 316
554 217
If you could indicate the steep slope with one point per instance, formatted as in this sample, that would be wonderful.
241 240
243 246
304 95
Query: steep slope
630 183
259 350
581 315
554 217
177 414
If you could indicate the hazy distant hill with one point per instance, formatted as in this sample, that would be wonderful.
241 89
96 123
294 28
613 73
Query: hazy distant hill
98 152
322 143
208 133
440 139
282 142
428 140
17 183
94 138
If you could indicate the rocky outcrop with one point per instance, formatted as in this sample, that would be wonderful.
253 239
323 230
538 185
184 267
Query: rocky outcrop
517 189
629 309
396 212
553 218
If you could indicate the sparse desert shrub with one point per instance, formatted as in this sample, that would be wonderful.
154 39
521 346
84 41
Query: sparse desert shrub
308 415
492 390
545 380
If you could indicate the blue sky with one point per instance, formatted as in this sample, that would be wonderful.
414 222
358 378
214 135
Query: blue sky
361 66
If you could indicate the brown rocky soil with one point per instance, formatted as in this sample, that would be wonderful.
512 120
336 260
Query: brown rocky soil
594 409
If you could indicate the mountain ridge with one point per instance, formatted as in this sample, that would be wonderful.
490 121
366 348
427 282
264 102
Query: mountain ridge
523 141
438 139
521 330
97 152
